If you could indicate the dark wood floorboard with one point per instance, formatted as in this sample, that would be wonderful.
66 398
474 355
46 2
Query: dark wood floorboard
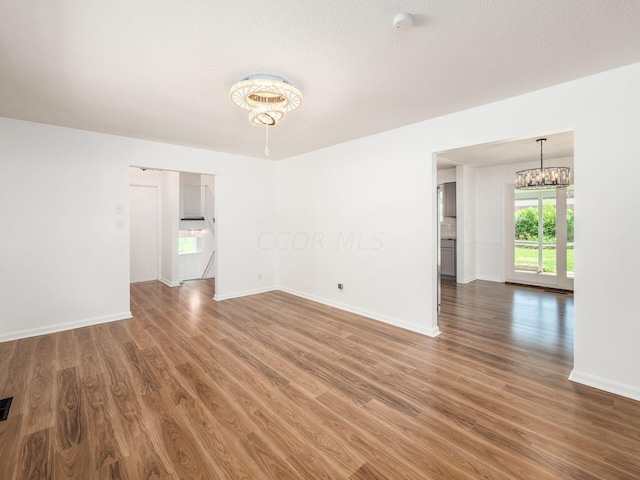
272 386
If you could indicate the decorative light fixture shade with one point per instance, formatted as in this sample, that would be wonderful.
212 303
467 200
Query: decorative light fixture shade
267 97
550 177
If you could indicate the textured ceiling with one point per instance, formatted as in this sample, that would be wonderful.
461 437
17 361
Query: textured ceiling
161 69
558 145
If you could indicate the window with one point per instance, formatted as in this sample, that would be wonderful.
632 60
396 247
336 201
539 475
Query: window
187 245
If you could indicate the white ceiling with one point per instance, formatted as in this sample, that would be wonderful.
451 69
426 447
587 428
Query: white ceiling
558 145
162 69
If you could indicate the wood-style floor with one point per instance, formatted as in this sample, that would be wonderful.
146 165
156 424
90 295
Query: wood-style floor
275 387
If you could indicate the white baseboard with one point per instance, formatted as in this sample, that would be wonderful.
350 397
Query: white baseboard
366 313
34 332
605 384
169 283
468 279
490 279
244 293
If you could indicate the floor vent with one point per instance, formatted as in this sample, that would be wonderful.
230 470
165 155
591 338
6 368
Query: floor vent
5 405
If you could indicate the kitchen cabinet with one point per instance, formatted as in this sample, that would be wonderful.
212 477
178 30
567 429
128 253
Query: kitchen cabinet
448 258
449 200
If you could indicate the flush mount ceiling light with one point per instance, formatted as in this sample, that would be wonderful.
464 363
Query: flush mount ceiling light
268 98
549 177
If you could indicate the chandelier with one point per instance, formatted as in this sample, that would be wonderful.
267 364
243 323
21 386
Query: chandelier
268 98
549 177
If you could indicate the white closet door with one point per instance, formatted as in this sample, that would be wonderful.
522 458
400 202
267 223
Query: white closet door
144 233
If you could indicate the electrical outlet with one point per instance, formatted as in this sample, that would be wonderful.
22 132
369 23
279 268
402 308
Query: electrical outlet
119 209
120 224
340 286
259 276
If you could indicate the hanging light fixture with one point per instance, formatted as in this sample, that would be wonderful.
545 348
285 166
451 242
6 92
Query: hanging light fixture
549 177
268 98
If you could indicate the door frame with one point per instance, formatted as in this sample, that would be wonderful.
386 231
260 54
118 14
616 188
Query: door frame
561 281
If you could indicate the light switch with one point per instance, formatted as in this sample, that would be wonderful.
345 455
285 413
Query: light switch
120 224
119 209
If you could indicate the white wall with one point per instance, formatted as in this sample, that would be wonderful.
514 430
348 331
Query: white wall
384 183
466 224
446 175
378 192
208 238
169 225
64 263
490 214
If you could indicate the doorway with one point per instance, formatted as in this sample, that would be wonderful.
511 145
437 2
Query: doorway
483 174
172 232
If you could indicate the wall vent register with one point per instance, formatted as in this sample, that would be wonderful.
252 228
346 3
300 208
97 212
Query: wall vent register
5 405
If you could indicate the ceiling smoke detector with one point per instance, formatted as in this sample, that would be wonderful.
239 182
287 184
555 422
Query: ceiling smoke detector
403 21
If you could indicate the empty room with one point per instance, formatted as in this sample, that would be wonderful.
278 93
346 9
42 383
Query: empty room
319 240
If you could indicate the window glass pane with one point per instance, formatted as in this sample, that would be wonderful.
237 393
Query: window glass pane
526 232
187 245
535 231
549 232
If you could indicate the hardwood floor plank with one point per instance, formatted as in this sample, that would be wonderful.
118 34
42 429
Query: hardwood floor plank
138 327
40 401
68 353
144 377
74 463
273 466
216 401
312 466
70 424
17 375
269 374
178 391
114 471
106 449
10 434
36 459
7 352
367 472
188 459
